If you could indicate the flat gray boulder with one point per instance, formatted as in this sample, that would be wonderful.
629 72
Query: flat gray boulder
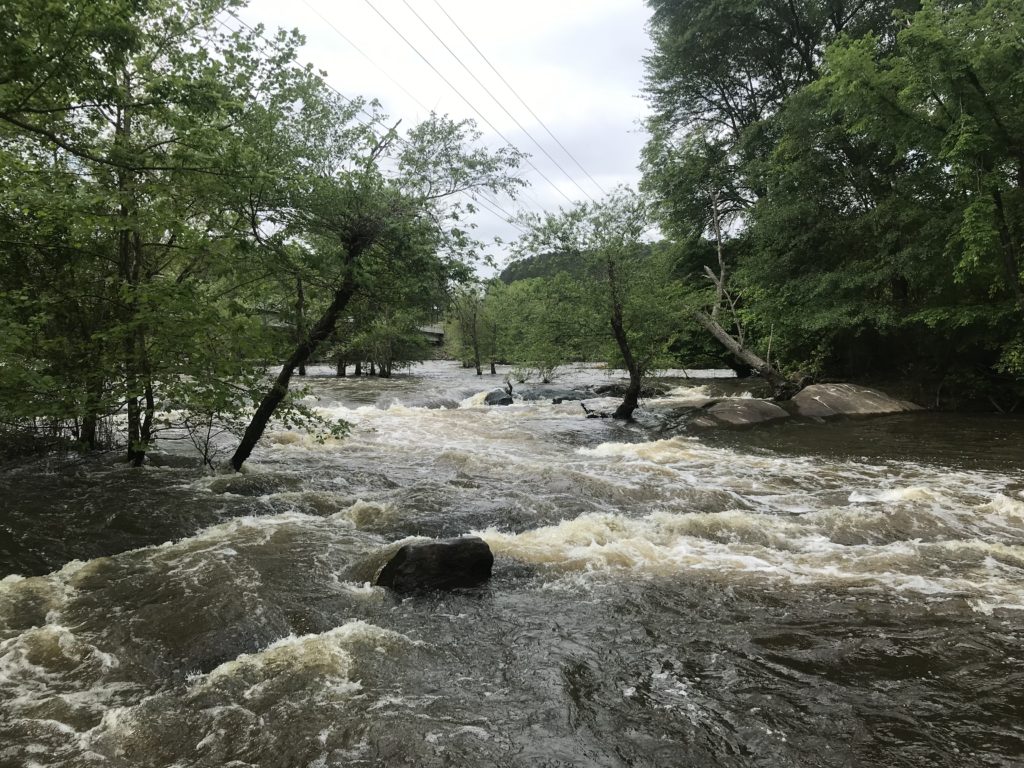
738 412
439 564
824 401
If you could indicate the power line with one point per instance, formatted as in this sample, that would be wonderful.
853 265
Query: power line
516 94
397 83
467 101
474 196
497 100
501 214
366 56
272 44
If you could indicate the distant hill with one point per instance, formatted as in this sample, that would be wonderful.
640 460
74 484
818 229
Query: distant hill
550 264
543 265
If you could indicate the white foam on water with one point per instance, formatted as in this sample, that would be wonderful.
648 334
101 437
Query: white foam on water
475 401
326 658
1004 508
699 392
743 545
60 682
366 513
671 451
891 495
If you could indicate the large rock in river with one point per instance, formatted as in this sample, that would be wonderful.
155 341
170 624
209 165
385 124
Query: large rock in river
439 564
827 400
738 412
498 397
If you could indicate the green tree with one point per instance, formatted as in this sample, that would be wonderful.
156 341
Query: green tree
390 207
895 208
629 288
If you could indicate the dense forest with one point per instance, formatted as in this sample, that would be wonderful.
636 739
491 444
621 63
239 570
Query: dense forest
831 189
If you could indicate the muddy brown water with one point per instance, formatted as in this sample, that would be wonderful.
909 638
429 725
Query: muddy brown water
802 594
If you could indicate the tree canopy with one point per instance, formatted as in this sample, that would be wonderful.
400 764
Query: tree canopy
867 158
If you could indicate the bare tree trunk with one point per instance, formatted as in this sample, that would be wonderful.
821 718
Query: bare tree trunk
146 431
342 369
784 388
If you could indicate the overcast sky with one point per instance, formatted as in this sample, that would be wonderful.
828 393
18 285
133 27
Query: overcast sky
576 64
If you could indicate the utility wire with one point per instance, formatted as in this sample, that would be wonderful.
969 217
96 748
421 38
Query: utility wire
272 44
508 217
487 203
516 94
467 101
479 195
476 196
366 56
497 100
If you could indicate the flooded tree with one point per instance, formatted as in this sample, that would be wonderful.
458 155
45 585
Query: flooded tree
623 278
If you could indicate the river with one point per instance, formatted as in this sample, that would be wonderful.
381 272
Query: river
844 594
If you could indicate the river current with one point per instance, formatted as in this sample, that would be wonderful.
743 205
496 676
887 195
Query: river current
844 594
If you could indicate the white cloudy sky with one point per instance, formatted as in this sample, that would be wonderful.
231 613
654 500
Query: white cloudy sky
576 63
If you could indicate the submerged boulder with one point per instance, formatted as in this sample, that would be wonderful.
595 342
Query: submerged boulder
827 400
553 394
618 389
498 397
440 564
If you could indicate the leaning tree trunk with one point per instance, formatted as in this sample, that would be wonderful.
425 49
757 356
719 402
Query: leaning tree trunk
784 388
305 349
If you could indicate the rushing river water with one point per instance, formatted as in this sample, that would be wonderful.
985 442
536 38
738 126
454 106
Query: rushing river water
844 594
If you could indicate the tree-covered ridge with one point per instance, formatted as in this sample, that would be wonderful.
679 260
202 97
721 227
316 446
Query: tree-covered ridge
544 265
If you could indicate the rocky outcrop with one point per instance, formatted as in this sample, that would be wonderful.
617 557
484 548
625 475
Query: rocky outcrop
823 401
738 412
817 401
498 397
439 564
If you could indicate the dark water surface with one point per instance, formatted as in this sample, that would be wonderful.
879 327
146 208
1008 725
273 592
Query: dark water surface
843 594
